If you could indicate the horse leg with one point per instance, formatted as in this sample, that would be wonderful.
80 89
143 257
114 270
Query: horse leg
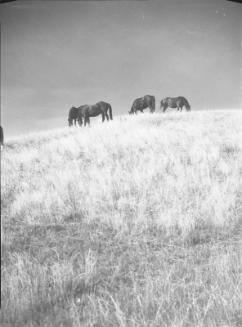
87 121
103 117
106 115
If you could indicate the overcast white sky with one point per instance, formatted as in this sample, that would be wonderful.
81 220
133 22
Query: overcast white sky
55 54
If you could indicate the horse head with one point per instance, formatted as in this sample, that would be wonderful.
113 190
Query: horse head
164 104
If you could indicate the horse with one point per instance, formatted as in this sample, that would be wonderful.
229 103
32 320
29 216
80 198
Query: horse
100 108
177 102
73 115
1 136
148 101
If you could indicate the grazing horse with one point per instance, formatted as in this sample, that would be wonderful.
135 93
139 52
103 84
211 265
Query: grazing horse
148 101
73 115
1 136
177 102
100 108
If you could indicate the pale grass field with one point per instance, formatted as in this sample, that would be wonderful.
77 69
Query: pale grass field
135 222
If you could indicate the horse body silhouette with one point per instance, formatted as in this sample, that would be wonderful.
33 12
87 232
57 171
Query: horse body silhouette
1 136
177 102
73 115
148 101
100 108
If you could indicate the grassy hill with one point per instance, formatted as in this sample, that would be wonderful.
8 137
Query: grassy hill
136 222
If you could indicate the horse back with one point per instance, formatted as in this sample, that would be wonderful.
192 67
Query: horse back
103 104
149 97
92 110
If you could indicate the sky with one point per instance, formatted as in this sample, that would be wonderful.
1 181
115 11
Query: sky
56 54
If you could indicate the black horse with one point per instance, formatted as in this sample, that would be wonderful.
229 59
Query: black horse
177 102
148 101
73 116
1 136
100 108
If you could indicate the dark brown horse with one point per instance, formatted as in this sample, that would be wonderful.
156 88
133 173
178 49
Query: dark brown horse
177 102
1 136
73 116
100 108
148 101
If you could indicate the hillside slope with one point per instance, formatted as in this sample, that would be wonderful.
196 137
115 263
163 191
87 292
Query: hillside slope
136 222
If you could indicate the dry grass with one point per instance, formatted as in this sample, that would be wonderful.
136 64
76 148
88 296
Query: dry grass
136 222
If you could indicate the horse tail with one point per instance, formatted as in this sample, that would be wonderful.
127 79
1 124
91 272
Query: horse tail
110 112
153 104
133 108
187 105
1 135
70 117
79 116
